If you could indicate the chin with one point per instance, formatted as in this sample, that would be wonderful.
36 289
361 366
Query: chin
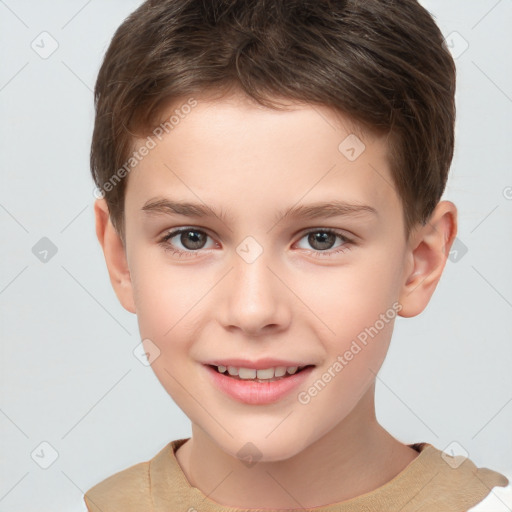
252 448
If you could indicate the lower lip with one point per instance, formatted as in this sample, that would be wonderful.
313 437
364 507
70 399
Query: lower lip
258 393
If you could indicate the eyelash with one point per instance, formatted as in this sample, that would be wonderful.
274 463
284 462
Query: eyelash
164 242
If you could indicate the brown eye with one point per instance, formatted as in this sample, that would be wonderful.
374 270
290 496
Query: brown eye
322 243
185 241
193 239
321 240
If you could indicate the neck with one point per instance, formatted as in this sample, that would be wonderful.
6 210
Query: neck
354 458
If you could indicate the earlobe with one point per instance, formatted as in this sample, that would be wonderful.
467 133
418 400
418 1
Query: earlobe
429 249
115 255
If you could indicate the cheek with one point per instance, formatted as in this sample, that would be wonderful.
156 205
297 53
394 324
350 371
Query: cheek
162 296
356 309
166 316
170 313
350 299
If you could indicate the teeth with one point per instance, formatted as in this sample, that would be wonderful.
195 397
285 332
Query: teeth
280 371
251 373
246 373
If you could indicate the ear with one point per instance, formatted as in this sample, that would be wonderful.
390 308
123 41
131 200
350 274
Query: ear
429 247
115 255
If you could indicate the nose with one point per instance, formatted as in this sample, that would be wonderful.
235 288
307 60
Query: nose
255 299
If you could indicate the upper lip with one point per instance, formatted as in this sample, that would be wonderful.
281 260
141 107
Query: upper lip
261 364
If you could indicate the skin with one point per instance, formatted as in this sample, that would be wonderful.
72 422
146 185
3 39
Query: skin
251 162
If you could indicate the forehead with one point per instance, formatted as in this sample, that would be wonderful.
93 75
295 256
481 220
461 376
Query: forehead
232 150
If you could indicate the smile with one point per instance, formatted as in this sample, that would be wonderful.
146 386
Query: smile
243 385
264 375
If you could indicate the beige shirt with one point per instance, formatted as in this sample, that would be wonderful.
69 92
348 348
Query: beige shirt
432 482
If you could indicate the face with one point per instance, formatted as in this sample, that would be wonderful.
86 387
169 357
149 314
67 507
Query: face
316 286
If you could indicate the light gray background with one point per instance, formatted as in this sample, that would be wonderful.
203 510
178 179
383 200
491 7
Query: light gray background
68 374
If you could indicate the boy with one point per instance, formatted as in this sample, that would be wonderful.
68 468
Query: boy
272 174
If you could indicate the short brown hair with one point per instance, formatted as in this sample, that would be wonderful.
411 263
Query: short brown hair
382 63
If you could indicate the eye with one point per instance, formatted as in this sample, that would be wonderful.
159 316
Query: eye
192 239
323 239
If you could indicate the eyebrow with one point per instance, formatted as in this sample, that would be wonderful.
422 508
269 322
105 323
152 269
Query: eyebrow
324 210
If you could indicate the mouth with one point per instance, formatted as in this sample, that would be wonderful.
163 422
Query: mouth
257 386
266 375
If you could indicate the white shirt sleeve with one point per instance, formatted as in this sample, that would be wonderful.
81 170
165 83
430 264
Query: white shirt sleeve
498 500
